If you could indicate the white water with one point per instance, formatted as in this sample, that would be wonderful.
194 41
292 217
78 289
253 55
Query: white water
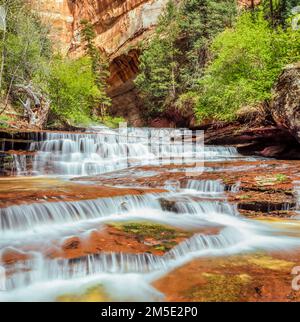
27 217
19 164
198 205
101 151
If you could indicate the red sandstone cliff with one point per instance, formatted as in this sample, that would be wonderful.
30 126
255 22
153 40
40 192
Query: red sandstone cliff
120 25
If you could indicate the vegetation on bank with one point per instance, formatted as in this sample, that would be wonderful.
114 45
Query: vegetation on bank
174 60
41 86
207 59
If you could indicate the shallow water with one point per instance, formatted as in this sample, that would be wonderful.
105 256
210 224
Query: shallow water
31 226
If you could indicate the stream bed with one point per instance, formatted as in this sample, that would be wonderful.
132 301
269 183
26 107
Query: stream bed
97 216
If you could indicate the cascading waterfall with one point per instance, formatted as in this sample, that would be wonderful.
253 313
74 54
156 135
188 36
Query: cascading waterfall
20 218
19 163
101 150
40 269
199 204
83 154
207 187
206 208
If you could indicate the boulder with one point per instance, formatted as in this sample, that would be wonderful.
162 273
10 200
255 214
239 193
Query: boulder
285 105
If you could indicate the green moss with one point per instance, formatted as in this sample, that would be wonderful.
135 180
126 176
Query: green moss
147 230
219 288
4 121
162 237
93 294
243 197
281 178
271 180
271 263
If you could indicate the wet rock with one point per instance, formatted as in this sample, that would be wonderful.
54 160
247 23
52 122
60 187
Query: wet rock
255 140
232 279
6 164
285 106
11 256
273 151
168 205
72 243
264 206
34 189
159 238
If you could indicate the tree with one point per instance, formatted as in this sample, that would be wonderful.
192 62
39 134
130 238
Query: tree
73 89
175 57
25 54
100 64
247 61
277 11
201 21
158 64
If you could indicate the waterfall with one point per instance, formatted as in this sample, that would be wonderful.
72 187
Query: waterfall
84 154
40 269
103 150
19 164
27 217
200 208
205 208
207 187
236 235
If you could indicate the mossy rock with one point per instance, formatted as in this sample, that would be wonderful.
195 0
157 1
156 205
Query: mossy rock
271 263
220 288
93 294
149 230
160 237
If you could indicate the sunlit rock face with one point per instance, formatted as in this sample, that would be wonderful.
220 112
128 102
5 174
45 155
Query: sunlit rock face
58 15
120 25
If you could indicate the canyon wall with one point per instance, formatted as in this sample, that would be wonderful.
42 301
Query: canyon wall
120 25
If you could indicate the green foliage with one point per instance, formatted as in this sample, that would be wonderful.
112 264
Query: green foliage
158 63
100 64
25 49
73 89
278 11
173 60
112 122
4 119
247 61
186 103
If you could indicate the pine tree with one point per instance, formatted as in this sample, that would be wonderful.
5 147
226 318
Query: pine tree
100 64
173 61
277 11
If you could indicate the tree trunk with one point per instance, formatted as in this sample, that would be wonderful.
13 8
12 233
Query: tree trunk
272 12
2 59
37 115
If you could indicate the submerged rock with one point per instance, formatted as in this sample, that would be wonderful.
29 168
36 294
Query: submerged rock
93 294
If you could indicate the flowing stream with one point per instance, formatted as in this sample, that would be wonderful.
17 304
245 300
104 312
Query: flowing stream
195 205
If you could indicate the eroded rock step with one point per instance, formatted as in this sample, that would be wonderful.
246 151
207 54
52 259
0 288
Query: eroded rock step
82 233
264 187
257 277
